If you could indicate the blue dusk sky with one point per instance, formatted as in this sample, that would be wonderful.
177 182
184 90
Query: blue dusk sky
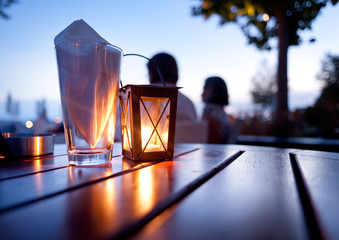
28 68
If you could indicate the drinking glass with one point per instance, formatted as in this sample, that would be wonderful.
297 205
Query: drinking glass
89 76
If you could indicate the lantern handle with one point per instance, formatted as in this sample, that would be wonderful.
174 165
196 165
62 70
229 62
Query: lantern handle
151 61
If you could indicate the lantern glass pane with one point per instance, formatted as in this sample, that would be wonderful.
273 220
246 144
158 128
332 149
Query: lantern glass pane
154 114
126 123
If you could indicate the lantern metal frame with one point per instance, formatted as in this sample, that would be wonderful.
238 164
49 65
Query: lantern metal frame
131 102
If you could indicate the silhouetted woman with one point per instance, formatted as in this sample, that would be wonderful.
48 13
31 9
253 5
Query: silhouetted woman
215 97
169 69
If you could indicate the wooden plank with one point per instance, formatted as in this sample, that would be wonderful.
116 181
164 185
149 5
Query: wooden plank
17 167
22 167
321 179
320 144
320 154
315 231
264 148
253 198
106 208
19 191
29 188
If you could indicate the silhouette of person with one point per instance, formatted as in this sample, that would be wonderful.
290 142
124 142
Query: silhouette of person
215 97
168 67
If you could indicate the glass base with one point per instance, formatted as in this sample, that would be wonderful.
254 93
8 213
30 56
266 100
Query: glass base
89 158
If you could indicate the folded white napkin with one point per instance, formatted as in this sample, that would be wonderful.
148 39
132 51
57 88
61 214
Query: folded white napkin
78 31
88 74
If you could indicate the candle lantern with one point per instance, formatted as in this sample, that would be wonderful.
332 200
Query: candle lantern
148 116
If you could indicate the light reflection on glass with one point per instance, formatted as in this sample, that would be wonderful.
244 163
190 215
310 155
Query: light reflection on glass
110 131
154 111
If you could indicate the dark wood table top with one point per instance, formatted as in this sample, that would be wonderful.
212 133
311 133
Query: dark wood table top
204 192
311 143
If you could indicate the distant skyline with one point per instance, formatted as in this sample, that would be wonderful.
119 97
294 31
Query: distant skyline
202 48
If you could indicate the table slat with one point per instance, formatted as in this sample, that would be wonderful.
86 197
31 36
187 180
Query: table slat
108 207
255 197
19 167
322 182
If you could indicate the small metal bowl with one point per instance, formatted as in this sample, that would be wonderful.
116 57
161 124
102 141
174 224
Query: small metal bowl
29 144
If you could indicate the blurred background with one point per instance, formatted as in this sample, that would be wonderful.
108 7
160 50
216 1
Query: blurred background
192 32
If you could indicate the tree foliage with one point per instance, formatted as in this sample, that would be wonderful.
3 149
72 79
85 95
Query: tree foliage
329 97
329 73
264 87
258 19
324 115
5 4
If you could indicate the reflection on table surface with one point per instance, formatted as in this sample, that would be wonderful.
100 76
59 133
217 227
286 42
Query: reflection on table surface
205 191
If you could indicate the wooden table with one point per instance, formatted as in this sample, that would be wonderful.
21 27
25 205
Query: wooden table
310 143
205 192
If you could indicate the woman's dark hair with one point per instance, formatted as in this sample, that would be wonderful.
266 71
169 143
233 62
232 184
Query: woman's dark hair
219 93
167 65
